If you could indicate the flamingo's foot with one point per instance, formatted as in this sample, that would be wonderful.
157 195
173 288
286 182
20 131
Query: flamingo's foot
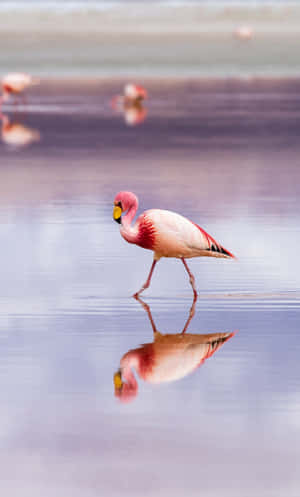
137 294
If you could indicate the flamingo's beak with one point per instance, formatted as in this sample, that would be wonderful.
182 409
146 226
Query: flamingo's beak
118 381
117 213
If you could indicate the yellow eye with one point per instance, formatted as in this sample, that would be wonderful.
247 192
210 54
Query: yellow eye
117 212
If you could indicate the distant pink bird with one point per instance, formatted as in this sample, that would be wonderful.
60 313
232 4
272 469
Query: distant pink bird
244 33
167 233
133 94
15 84
168 358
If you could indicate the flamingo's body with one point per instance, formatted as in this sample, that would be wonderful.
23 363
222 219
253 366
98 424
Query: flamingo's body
167 233
171 357
16 83
16 134
135 92
168 358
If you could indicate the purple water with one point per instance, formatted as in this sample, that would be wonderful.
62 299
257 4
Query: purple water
225 155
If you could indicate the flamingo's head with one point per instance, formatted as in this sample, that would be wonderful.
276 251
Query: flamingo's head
123 201
125 392
135 92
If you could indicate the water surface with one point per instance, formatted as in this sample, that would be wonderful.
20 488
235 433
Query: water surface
225 154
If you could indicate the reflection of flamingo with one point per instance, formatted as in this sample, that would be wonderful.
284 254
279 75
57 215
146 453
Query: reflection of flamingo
16 134
134 114
168 358
15 84
166 233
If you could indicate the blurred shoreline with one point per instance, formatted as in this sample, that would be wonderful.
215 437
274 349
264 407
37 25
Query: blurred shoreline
177 39
162 86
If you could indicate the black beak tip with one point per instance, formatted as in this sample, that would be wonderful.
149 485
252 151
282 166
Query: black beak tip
118 220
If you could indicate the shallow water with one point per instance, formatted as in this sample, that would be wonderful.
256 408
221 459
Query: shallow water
225 154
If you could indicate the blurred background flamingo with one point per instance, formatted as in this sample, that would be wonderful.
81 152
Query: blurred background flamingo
130 104
243 33
14 84
132 94
168 358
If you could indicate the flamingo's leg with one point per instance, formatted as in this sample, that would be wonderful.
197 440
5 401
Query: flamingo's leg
192 279
147 284
147 309
191 315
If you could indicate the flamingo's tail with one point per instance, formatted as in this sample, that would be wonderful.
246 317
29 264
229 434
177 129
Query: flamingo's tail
217 342
222 251
214 248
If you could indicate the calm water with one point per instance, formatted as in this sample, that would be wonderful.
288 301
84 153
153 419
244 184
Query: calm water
227 156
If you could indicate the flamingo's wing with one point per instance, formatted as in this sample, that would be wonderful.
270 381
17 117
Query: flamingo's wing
213 246
177 236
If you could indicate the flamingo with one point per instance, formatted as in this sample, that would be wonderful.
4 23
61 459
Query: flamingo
16 134
15 84
133 94
244 33
134 112
168 358
165 232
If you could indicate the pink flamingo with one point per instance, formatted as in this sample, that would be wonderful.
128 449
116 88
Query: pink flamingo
133 94
243 33
167 233
168 358
15 84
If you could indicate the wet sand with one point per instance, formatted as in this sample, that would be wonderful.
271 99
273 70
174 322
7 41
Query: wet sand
223 153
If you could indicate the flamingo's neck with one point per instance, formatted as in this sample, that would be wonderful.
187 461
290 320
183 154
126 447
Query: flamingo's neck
127 231
128 362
